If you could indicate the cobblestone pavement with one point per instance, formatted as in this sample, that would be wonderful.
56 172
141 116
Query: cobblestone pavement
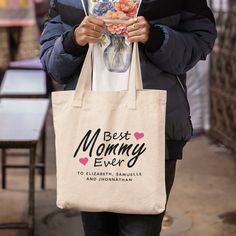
202 202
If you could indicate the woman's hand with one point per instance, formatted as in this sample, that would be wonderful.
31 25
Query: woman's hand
89 31
138 30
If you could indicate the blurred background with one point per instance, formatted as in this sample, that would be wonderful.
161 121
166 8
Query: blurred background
202 202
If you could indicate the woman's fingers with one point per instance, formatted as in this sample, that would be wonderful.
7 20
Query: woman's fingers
92 33
138 30
89 31
139 35
97 21
87 36
132 24
94 24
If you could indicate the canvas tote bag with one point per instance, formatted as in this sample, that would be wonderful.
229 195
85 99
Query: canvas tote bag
110 146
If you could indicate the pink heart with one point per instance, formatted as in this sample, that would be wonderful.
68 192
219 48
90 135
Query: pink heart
83 160
138 135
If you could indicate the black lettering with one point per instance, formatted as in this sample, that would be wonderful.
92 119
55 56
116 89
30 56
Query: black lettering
126 135
136 152
113 162
100 149
107 136
125 148
98 162
86 142
111 148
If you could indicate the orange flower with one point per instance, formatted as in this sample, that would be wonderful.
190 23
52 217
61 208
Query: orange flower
115 15
127 6
119 29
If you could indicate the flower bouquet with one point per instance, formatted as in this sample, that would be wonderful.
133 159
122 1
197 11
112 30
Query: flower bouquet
115 13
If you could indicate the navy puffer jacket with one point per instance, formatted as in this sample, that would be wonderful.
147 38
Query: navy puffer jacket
182 33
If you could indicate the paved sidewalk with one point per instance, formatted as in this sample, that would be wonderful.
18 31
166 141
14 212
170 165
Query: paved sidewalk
204 193
202 202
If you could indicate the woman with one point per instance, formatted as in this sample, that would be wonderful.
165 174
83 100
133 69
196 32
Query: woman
172 35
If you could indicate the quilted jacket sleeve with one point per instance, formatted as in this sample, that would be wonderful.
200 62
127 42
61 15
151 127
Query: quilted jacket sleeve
59 64
192 40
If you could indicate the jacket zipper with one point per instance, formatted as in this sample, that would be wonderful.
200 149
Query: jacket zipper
185 95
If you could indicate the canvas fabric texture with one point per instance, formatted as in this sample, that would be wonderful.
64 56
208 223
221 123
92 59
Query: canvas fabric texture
110 146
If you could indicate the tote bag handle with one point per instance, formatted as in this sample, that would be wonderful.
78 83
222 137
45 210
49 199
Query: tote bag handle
84 82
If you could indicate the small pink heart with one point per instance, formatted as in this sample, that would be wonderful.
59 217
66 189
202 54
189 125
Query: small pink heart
83 160
138 135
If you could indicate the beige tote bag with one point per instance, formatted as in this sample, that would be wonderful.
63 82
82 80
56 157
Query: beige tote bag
110 146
